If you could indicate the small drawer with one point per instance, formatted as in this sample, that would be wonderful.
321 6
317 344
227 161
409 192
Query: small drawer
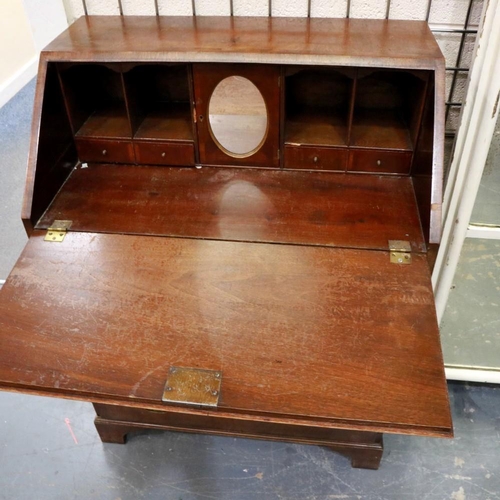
164 153
383 162
315 158
105 151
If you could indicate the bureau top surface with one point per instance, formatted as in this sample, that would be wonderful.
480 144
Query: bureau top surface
366 42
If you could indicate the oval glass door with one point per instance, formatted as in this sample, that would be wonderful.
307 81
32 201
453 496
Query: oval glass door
237 117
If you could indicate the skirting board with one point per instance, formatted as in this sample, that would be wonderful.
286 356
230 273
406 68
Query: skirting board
472 374
18 80
483 232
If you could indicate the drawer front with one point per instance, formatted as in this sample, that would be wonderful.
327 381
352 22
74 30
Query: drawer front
383 162
150 153
105 151
305 157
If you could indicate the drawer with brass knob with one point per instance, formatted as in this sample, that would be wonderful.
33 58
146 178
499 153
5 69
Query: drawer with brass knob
317 158
384 162
102 150
164 153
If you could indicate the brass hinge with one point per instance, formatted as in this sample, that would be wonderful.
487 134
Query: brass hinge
57 230
400 252
192 386
194 113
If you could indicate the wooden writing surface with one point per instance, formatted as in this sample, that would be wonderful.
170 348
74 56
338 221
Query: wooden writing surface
308 208
103 317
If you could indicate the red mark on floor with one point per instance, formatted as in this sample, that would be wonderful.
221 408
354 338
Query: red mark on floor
68 423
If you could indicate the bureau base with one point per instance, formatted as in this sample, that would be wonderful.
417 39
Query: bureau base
113 423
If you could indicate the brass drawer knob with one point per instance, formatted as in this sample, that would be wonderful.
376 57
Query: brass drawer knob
315 159
104 152
163 155
379 162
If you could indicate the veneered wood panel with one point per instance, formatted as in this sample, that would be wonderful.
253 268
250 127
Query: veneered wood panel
317 208
52 154
167 123
316 127
337 335
380 129
110 123
362 42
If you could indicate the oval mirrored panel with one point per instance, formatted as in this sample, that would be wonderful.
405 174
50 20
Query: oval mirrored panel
238 116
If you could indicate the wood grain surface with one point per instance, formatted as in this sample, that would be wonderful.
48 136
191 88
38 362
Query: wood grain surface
380 129
167 123
350 42
316 127
327 334
52 154
318 208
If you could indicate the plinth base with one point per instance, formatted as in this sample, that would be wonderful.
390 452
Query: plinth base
113 423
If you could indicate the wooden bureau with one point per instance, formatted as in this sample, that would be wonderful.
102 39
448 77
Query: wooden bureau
230 226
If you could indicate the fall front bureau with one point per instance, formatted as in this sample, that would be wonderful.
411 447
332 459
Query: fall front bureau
230 225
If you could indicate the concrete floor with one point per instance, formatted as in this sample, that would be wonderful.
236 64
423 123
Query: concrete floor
50 449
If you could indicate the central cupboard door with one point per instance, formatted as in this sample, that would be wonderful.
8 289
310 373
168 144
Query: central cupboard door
238 114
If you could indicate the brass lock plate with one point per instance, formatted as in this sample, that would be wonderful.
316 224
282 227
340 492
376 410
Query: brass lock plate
192 386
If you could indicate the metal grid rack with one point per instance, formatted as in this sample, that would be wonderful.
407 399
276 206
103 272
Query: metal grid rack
456 68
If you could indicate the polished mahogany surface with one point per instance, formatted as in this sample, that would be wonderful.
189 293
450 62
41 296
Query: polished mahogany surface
102 317
243 39
315 208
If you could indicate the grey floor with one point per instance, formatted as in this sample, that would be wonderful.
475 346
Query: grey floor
50 449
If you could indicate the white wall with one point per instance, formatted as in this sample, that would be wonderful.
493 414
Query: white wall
47 19
26 26
17 48
443 11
